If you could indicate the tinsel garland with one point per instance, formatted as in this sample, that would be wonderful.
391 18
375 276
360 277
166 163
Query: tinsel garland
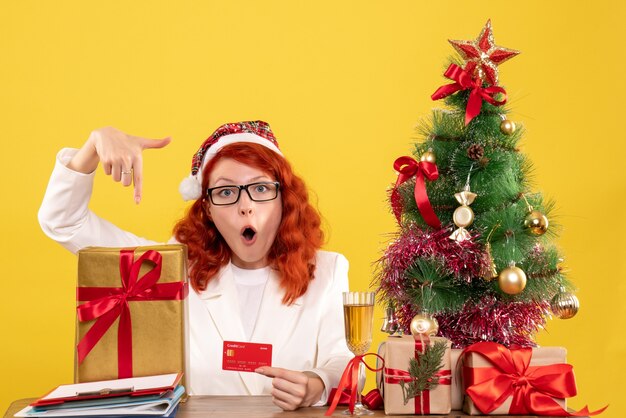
486 320
463 260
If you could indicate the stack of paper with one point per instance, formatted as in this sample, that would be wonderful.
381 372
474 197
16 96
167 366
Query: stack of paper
151 396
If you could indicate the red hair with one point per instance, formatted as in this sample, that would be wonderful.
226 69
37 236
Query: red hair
298 238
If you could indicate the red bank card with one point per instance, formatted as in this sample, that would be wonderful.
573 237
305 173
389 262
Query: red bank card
245 357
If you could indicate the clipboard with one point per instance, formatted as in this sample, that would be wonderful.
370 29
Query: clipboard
133 386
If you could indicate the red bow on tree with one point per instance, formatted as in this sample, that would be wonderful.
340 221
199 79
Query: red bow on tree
408 167
464 81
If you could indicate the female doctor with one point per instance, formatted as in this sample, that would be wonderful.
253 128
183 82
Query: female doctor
256 268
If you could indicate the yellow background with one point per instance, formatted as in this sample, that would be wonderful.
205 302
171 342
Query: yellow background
342 84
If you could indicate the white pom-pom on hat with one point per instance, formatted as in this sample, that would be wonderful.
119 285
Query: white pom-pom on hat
257 132
190 188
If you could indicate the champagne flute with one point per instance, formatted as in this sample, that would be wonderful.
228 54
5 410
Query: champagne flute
358 313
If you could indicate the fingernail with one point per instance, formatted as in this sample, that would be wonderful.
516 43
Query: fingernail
137 199
259 370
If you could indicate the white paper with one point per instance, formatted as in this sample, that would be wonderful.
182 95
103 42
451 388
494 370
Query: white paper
137 383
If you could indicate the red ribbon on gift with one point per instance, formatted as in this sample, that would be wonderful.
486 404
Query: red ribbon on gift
465 81
422 400
395 376
106 304
532 387
407 167
349 382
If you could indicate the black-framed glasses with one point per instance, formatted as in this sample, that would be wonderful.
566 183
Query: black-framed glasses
262 191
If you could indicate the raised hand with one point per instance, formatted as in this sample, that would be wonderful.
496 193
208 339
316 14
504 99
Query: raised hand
120 155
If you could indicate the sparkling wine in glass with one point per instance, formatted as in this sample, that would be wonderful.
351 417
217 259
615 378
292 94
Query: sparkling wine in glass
358 314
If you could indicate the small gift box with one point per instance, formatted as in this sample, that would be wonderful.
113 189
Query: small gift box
131 312
403 391
516 381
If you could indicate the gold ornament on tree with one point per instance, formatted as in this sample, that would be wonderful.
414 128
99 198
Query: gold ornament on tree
512 280
536 222
564 305
428 156
463 216
507 127
489 271
424 324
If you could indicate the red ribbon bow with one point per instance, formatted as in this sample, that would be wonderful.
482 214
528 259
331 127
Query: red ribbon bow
532 387
408 167
349 382
465 81
106 304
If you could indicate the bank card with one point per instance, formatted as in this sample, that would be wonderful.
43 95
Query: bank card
245 356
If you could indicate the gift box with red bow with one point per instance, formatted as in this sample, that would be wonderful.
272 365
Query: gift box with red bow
518 381
131 312
395 378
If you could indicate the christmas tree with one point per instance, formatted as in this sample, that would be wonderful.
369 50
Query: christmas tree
474 258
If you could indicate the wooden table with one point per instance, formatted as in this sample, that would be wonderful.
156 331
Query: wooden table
247 406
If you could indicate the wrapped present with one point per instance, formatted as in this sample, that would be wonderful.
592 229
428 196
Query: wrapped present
403 392
131 312
517 381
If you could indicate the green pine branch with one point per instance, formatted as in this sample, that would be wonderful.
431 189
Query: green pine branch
423 371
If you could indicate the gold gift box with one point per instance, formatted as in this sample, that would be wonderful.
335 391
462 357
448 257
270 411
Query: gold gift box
159 343
544 356
397 353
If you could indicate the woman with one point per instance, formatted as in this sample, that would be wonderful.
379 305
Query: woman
256 269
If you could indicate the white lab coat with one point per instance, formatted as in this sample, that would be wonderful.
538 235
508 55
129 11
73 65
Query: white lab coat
306 336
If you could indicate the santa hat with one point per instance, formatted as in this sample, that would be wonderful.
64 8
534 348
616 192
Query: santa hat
257 132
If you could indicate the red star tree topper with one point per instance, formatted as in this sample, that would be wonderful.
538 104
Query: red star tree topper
483 56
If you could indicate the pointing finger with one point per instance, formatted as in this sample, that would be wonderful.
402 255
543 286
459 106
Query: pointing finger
138 178
154 143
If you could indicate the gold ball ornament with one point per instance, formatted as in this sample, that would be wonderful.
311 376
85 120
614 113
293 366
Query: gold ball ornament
428 156
423 324
536 222
507 127
512 280
564 305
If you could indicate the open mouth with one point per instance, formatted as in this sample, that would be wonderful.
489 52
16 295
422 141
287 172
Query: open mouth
248 234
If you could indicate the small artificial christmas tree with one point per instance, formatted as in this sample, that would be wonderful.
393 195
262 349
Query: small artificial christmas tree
473 259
